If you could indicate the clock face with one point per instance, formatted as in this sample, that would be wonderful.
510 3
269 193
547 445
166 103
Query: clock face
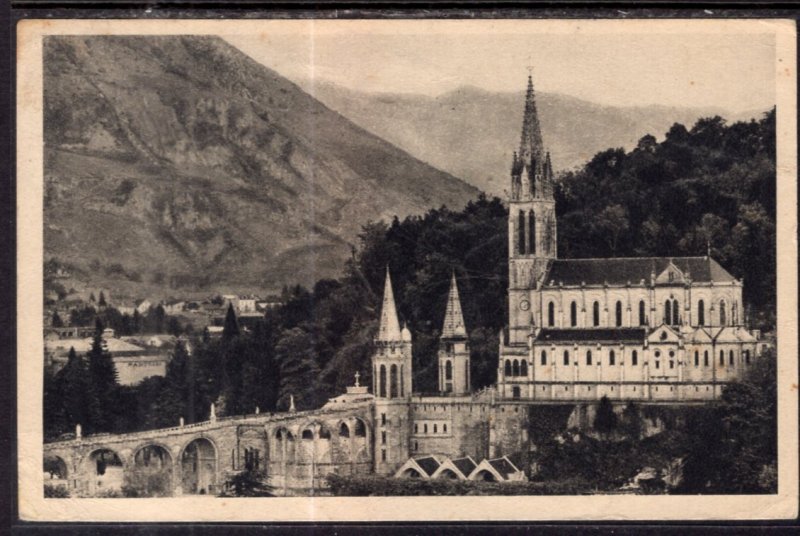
524 305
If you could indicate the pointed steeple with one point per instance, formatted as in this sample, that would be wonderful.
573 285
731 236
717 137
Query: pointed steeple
531 144
453 327
389 329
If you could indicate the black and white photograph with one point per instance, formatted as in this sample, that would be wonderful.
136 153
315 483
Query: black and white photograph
490 265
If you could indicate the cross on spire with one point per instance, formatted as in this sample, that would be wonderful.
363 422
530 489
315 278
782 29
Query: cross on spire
357 375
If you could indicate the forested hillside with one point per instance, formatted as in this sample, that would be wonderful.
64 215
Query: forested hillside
710 184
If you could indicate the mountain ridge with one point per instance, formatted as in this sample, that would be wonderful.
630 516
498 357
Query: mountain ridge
181 162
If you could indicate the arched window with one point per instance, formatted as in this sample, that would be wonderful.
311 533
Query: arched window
435 428
507 369
618 313
448 370
544 357
344 431
635 358
722 315
705 358
566 357
701 313
722 357
676 313
382 382
523 368
696 358
747 357
521 232
402 382
573 314
531 233
515 368
393 391
642 315
612 358
730 357
596 313
588 357
667 312
551 314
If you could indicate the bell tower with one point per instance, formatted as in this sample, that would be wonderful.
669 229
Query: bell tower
454 347
531 222
391 385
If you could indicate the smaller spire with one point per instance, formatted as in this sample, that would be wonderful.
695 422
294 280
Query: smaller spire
453 327
389 329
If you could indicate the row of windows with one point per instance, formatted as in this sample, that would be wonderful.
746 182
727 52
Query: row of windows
435 428
520 368
527 244
671 313
395 387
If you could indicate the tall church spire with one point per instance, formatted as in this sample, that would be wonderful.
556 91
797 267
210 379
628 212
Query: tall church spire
389 329
453 327
531 144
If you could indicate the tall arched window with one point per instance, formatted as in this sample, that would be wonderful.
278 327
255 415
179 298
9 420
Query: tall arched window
612 358
515 368
701 313
642 315
722 315
676 313
735 313
635 358
722 357
551 314
667 312
747 357
596 314
618 313
448 370
402 382
544 357
566 357
521 233
705 358
382 382
730 357
696 358
588 357
573 314
523 368
393 390
531 233
507 369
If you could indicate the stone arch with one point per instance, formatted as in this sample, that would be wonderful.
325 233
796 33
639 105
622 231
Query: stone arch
55 468
198 464
411 473
344 430
448 474
360 427
150 472
485 476
105 469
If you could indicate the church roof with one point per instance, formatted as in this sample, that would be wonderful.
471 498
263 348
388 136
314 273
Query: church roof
503 466
453 327
619 335
620 271
466 465
389 329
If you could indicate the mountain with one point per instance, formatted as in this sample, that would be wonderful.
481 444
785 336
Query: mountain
181 163
472 133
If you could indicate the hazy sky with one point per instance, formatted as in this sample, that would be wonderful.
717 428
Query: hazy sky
735 71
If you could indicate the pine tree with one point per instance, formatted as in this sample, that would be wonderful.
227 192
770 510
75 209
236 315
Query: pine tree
136 322
231 328
56 322
299 372
102 301
606 420
74 390
103 383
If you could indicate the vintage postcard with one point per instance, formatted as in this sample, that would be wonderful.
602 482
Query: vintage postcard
370 270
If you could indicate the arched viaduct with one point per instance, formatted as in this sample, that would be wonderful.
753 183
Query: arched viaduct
297 450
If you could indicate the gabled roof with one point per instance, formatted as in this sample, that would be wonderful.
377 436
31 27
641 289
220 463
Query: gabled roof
504 466
429 464
621 271
466 465
698 335
620 335
664 333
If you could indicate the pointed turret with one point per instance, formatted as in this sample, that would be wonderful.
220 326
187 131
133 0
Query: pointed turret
453 327
389 329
